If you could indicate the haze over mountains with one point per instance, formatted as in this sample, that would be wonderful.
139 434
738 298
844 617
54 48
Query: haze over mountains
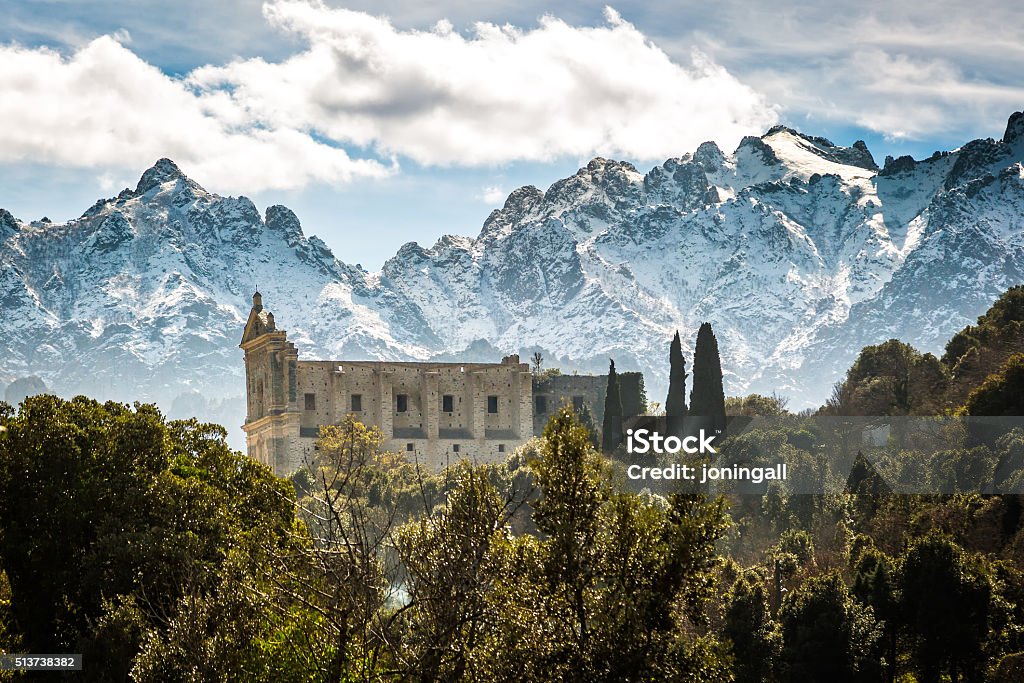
800 252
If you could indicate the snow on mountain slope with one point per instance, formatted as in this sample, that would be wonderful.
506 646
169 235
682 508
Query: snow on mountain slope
143 297
799 252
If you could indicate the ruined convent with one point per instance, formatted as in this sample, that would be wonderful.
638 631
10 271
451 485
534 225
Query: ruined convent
434 413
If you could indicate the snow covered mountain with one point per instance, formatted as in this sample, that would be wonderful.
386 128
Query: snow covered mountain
799 252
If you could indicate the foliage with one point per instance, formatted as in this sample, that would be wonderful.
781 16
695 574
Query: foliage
875 585
827 636
586 418
450 565
103 505
707 398
891 378
756 405
623 579
675 402
752 631
632 393
945 600
1002 393
979 350
611 430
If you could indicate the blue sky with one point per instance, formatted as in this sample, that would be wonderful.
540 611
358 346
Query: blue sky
386 122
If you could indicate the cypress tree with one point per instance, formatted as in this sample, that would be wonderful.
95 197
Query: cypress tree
708 397
675 403
611 430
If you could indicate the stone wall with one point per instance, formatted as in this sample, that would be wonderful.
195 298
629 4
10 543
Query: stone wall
552 392
432 413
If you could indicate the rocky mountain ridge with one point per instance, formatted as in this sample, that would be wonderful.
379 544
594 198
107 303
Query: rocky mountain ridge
799 252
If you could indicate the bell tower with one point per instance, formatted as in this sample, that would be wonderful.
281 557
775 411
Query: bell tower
272 414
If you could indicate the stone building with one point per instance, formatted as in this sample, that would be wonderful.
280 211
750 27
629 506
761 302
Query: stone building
551 392
433 412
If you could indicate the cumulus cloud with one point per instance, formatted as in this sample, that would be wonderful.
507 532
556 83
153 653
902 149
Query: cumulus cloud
499 94
906 70
896 94
361 95
104 107
916 95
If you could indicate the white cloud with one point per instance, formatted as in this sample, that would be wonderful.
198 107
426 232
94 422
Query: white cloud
896 94
501 94
904 69
103 107
438 97
493 194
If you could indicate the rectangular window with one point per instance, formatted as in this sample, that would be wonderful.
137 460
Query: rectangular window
357 403
410 447
501 448
402 401
577 403
540 405
455 448
447 403
492 404
310 401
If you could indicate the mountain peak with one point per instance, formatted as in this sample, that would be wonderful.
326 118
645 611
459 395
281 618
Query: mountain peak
602 164
1014 127
162 171
761 149
709 156
779 128
284 221
8 223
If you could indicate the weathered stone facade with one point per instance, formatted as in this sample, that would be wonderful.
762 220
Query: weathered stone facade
551 393
434 413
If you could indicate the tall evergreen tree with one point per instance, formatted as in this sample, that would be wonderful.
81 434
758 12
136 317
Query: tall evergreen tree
708 396
675 403
611 431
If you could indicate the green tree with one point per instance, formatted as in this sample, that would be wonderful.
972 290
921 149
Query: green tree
568 474
756 405
675 402
1002 393
707 398
210 636
611 430
945 600
623 580
632 393
891 378
874 585
586 418
752 631
977 351
826 635
450 566
335 581
104 505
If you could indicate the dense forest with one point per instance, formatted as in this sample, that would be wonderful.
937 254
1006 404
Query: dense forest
151 548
